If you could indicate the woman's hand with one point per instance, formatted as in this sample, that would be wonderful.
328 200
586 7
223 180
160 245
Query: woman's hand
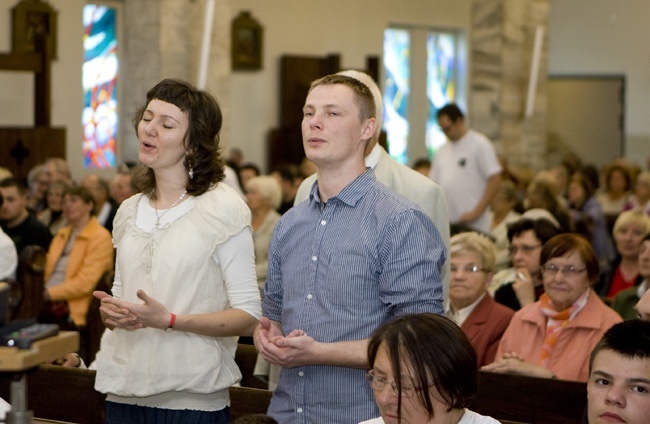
132 316
524 287
513 363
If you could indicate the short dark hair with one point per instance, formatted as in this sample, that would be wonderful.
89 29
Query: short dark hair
566 243
14 182
201 140
255 419
451 111
437 351
81 192
543 228
630 339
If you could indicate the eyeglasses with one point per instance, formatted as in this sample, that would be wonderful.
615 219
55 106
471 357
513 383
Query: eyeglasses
469 269
378 383
567 271
524 248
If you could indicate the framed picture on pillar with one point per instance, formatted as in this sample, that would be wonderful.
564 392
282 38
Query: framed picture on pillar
31 19
246 48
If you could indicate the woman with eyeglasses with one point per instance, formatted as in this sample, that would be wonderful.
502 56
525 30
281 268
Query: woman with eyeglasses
424 370
554 336
470 305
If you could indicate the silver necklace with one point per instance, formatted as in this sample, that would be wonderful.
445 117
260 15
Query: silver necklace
167 210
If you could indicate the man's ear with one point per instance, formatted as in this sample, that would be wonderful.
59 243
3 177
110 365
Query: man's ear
368 129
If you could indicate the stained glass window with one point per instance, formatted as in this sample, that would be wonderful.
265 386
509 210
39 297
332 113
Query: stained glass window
441 83
397 58
100 71
440 80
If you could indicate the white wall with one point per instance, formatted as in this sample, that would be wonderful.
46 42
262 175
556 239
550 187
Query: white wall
604 37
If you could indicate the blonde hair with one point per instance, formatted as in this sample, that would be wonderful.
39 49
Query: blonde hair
268 187
476 243
634 218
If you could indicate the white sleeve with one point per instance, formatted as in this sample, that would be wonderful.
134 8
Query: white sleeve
237 260
8 257
117 283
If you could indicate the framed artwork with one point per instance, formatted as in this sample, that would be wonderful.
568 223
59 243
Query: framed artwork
246 48
30 18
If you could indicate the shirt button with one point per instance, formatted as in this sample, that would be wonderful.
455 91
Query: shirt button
301 373
323 222
309 296
299 410
313 258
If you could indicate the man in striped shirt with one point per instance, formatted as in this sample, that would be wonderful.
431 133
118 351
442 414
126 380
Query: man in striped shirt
340 264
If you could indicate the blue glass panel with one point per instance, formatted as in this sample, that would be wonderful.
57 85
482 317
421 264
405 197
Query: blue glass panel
397 45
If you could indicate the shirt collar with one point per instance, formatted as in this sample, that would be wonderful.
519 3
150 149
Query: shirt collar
461 315
352 193
373 157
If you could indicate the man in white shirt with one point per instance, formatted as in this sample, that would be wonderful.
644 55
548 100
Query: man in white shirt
467 169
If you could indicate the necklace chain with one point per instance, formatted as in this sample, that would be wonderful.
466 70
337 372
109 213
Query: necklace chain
158 217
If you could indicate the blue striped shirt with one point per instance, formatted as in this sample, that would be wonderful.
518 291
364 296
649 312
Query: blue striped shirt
338 271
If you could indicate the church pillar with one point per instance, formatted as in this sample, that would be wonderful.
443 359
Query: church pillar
162 39
502 44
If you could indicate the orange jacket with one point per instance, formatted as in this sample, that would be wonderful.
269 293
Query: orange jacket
569 359
91 256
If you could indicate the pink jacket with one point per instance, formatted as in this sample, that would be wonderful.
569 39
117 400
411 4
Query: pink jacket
570 358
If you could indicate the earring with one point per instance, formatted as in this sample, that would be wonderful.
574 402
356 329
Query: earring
190 170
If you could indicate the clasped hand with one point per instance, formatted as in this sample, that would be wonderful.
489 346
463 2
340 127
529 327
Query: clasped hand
293 350
132 316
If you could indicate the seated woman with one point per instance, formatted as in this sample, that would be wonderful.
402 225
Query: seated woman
522 285
502 213
640 201
470 305
588 217
423 371
616 193
554 336
626 301
53 216
541 193
78 256
263 196
623 272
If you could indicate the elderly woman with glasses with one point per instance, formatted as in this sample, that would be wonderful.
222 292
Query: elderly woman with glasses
423 370
553 337
470 305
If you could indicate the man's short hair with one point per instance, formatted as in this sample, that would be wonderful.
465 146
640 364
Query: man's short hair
362 95
451 111
14 182
630 339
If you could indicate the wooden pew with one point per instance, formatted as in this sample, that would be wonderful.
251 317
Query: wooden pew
517 398
68 394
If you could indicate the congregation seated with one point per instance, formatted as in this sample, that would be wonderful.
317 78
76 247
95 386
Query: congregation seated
79 255
616 192
522 285
554 336
470 305
587 216
503 213
623 272
37 185
105 207
52 216
423 367
625 301
541 193
640 201
16 220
